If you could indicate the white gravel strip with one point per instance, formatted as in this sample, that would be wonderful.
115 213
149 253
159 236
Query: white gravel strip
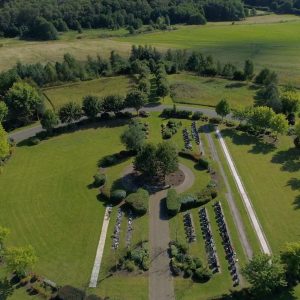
247 202
100 249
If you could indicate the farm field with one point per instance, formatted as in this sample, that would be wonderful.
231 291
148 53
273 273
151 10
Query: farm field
272 42
104 86
195 90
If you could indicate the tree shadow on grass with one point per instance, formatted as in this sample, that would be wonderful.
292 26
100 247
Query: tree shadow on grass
6 289
297 202
244 294
80 126
289 160
259 146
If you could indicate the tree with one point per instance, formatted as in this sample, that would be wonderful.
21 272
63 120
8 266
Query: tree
91 106
134 136
223 108
157 161
113 103
248 69
43 30
70 112
260 117
271 94
279 124
19 259
144 86
4 145
136 99
297 133
290 102
242 114
290 256
163 88
265 273
49 120
3 111
23 101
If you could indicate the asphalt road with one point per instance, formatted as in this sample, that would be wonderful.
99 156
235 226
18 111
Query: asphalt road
26 133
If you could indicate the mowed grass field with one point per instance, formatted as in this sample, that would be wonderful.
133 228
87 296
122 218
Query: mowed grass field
196 90
46 202
271 41
271 177
101 87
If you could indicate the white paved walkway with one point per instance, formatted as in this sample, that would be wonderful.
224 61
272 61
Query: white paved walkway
247 202
100 249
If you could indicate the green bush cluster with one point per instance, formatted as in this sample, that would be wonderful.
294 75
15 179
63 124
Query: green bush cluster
203 163
215 120
99 180
170 129
138 201
136 258
197 115
173 202
117 196
184 264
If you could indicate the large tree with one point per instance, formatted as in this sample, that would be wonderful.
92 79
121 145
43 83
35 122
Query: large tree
134 136
136 99
223 108
23 101
290 102
4 144
49 120
70 112
279 124
290 256
261 117
157 161
20 259
91 106
113 103
266 275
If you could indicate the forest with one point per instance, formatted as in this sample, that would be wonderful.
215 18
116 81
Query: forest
43 19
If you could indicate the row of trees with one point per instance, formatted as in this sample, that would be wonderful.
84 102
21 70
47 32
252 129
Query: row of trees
42 19
279 6
268 275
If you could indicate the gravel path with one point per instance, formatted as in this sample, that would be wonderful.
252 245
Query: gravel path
247 202
100 249
230 199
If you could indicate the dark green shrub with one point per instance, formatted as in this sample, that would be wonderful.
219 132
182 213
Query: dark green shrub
108 161
189 155
138 201
34 141
129 266
203 163
173 202
188 201
93 297
117 196
213 192
202 274
68 292
215 120
167 134
99 180
146 264
197 115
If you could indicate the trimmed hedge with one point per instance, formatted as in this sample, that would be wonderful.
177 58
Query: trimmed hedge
173 202
138 201
203 163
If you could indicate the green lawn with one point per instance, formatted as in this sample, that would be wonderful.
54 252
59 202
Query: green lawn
196 90
99 87
270 41
271 176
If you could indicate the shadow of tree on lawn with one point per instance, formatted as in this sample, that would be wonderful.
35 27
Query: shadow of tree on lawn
289 159
6 289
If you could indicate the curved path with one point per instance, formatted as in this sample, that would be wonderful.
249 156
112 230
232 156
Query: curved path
26 133
160 278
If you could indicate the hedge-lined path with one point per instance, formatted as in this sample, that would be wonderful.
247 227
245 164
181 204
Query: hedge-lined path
160 277
229 196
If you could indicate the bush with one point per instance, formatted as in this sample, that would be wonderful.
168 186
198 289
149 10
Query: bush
166 134
129 266
189 155
99 180
203 163
188 201
202 274
197 115
215 120
173 203
117 196
68 292
34 141
203 197
297 142
108 161
138 201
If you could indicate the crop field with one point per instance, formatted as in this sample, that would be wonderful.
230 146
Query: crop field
195 90
270 42
59 95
